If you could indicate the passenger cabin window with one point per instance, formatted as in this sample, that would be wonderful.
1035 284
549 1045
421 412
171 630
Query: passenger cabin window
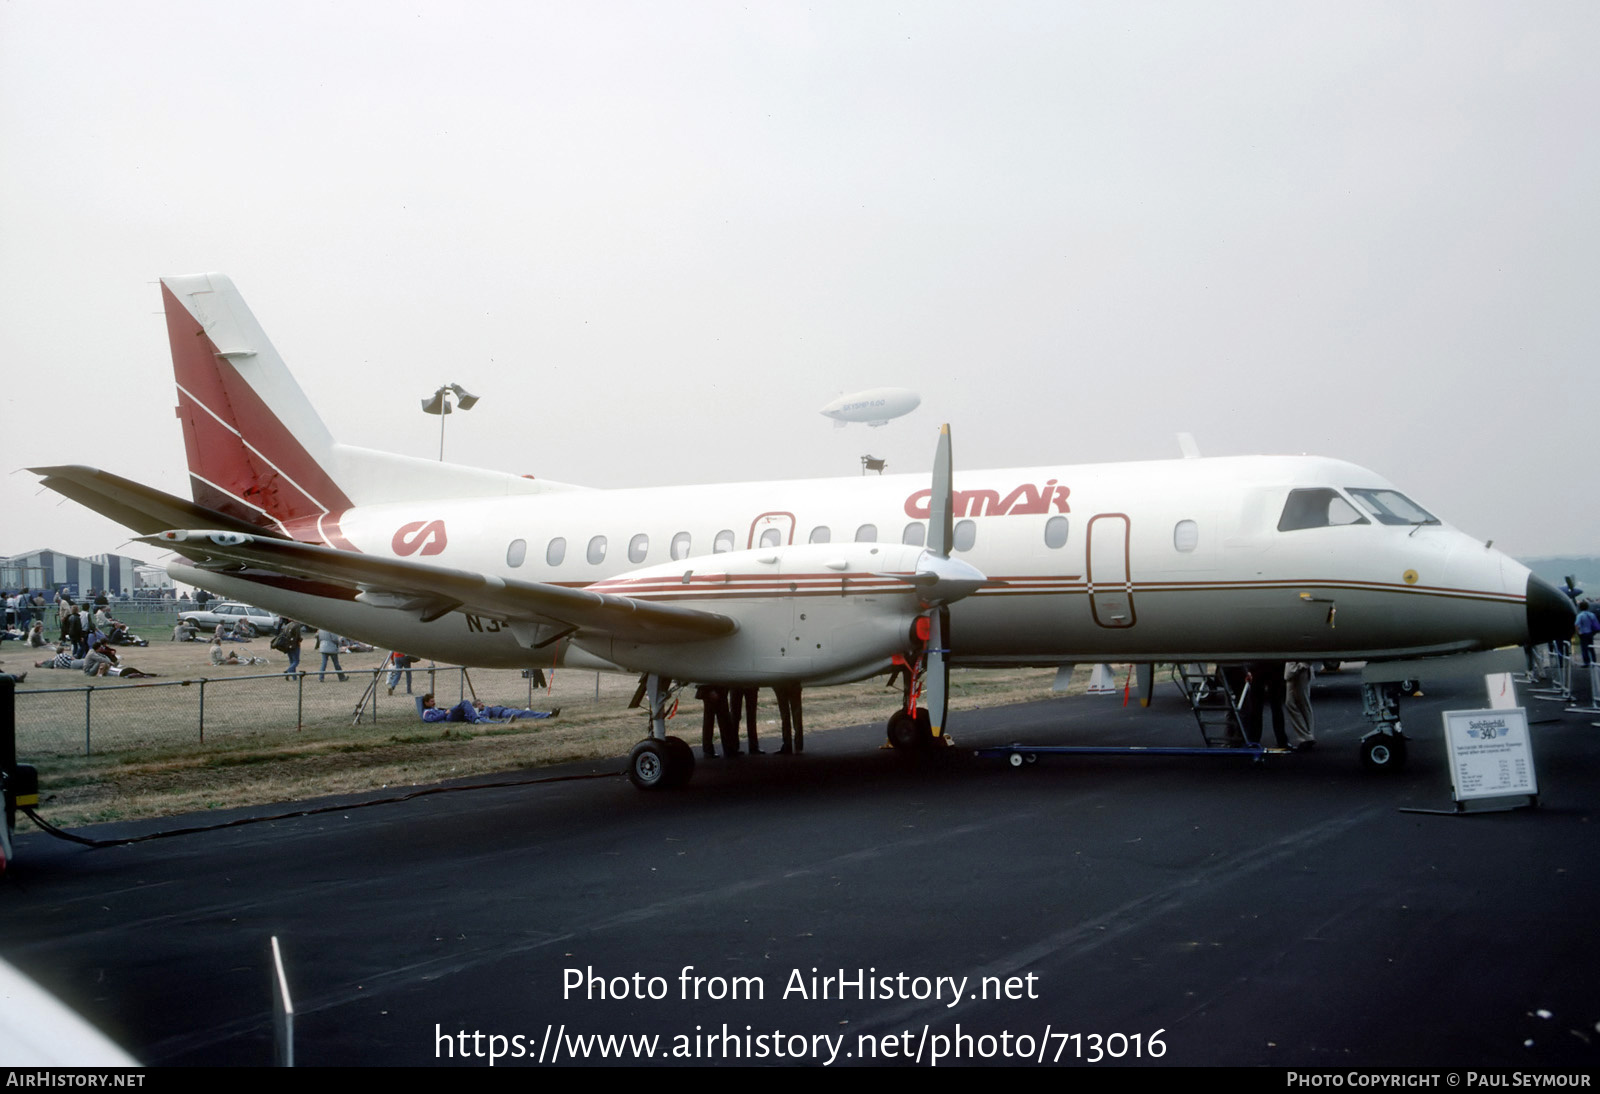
867 533
597 550
1318 507
638 547
915 535
966 535
680 546
1055 533
771 537
1186 535
1392 507
557 551
723 542
516 552
821 534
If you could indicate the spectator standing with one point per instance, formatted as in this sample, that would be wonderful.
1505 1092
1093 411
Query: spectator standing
328 646
288 642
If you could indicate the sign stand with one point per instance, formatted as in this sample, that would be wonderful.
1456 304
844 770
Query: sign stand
1491 760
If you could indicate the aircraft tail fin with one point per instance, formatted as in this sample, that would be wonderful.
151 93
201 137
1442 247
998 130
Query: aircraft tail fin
257 449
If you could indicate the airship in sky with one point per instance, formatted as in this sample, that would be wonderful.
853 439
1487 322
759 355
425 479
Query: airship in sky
874 406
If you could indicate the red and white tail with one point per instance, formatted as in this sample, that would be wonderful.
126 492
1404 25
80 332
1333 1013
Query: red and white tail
257 449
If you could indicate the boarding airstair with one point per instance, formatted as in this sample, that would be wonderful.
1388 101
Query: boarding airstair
1215 706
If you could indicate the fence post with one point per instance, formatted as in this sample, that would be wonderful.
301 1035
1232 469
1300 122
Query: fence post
87 721
300 701
202 710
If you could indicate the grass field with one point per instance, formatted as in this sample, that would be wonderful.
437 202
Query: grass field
146 755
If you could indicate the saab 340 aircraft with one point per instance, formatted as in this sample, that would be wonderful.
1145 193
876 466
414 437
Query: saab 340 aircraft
818 581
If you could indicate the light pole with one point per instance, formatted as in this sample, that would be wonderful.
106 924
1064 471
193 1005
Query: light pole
440 405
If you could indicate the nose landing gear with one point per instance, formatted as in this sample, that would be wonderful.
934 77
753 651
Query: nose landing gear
1384 748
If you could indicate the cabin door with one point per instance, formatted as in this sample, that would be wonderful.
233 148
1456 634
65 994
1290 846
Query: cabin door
772 530
1109 580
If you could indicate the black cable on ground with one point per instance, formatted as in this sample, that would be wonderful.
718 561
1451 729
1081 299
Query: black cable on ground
46 826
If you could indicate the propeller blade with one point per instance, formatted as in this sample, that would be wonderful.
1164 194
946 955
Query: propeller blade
941 506
936 670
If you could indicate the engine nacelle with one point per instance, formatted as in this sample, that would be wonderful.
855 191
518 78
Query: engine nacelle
809 613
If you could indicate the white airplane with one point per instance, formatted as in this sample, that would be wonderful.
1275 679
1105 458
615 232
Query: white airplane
805 582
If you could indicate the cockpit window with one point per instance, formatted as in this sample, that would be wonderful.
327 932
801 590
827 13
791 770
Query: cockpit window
1392 507
1317 507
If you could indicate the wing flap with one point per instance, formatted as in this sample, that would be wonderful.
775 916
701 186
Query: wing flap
405 585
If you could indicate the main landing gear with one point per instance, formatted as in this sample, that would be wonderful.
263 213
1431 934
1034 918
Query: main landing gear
910 729
911 732
660 762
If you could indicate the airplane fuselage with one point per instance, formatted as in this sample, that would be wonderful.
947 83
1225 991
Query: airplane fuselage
1162 560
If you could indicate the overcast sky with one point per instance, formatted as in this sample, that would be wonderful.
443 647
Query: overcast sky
656 238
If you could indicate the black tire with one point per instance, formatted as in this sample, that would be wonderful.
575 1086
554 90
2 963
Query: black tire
1383 752
907 734
649 766
680 761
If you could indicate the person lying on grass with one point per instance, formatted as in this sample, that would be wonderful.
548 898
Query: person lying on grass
474 710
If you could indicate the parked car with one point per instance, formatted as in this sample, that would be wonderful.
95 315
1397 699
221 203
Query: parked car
231 612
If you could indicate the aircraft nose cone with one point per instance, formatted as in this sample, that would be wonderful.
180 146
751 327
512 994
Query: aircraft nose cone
1551 615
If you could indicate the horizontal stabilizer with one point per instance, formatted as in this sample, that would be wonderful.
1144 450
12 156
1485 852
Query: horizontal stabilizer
432 590
133 505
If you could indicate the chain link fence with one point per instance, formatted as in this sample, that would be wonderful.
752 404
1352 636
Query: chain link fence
114 715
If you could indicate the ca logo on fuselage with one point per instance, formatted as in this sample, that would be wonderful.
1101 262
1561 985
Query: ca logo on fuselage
420 537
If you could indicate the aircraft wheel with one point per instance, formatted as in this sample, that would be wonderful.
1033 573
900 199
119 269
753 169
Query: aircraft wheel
1383 752
906 733
680 761
1017 759
650 765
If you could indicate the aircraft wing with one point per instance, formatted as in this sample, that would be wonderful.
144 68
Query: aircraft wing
548 611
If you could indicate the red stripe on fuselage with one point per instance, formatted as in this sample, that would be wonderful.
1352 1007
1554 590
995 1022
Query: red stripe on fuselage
324 529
